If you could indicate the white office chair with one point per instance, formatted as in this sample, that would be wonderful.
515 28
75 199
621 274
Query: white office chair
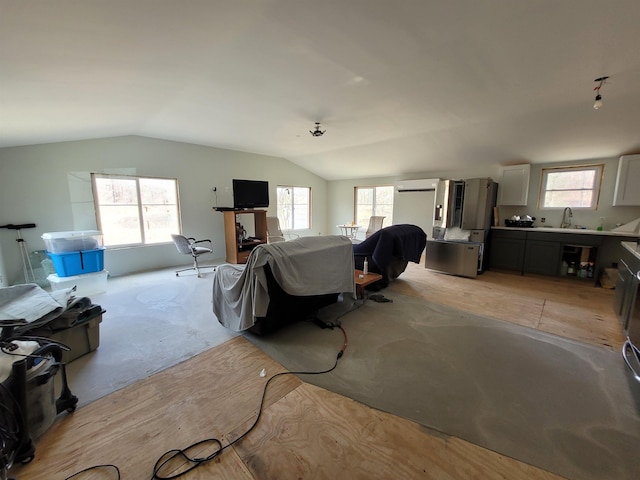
275 234
189 246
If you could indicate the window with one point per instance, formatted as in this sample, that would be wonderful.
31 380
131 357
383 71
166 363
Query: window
575 187
372 201
294 207
136 210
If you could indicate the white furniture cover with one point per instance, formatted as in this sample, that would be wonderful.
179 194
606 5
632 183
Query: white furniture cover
306 266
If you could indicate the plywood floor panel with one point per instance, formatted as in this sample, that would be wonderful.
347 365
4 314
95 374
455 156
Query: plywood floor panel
497 300
304 432
562 306
207 396
580 323
316 434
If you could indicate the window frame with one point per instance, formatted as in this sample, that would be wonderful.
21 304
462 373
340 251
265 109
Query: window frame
598 168
283 222
374 203
140 208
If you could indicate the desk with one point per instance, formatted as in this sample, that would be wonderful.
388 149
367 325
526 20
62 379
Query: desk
349 231
368 279
238 251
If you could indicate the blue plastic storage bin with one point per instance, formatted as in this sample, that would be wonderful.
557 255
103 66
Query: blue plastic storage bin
77 263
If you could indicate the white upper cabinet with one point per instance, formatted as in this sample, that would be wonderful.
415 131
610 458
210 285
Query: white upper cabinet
627 190
513 186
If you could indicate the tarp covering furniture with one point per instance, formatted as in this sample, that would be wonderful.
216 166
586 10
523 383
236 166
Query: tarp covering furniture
56 315
307 267
31 303
390 249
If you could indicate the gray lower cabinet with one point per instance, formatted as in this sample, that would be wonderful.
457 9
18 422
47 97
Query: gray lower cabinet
507 249
529 251
542 257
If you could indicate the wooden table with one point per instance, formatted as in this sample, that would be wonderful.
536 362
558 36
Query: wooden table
368 279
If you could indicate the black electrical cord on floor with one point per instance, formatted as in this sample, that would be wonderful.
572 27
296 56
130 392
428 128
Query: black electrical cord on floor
171 458
96 467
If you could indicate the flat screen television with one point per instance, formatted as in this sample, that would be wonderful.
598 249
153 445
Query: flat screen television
250 193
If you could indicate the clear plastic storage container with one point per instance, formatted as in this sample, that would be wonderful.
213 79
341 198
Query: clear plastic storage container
86 284
76 241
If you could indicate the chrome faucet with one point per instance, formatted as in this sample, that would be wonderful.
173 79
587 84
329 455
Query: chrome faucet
567 214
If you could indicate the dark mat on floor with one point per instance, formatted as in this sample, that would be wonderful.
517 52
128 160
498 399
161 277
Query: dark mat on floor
561 405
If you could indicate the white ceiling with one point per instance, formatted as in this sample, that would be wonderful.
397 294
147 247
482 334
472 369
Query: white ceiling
401 86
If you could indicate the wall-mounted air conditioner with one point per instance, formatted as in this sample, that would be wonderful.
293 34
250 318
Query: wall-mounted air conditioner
417 185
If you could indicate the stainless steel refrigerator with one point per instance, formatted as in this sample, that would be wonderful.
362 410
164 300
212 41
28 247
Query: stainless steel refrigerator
463 215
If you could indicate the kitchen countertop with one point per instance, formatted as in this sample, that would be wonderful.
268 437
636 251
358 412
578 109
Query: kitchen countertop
633 248
579 231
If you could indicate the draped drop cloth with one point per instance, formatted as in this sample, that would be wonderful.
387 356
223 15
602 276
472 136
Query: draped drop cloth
390 249
303 267
32 303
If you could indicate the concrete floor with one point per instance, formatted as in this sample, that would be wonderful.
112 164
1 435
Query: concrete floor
152 321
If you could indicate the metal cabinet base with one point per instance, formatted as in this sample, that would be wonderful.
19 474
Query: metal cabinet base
631 355
456 258
627 306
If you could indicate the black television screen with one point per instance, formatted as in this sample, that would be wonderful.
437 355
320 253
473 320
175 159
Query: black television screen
250 193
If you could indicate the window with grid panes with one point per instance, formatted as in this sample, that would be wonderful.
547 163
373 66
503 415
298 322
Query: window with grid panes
575 187
373 201
136 210
294 207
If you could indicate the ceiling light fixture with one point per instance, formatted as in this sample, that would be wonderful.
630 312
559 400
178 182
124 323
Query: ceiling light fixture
317 132
598 103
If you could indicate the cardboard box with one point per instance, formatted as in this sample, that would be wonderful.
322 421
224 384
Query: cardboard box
77 263
81 338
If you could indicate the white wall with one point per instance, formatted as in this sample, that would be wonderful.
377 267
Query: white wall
586 218
408 207
417 207
39 184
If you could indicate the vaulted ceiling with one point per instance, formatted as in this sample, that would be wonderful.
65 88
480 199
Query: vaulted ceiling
401 86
